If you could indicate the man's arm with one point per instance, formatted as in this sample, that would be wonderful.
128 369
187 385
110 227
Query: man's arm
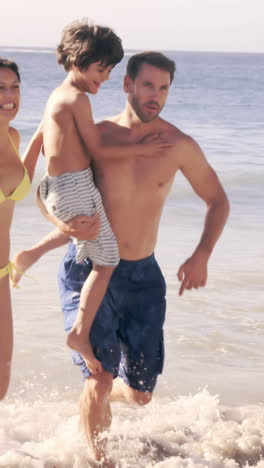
82 227
203 179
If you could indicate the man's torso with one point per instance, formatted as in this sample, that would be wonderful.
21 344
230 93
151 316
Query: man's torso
134 189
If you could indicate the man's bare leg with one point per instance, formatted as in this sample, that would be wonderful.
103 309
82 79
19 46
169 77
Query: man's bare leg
95 414
26 258
122 392
95 410
92 295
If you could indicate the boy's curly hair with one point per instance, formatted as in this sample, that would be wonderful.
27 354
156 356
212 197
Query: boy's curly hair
83 43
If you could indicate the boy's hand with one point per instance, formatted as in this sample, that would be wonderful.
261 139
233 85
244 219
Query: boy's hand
150 138
154 143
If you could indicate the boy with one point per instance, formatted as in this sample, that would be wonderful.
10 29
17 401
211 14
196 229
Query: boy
88 53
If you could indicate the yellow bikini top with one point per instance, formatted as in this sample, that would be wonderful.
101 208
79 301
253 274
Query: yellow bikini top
22 189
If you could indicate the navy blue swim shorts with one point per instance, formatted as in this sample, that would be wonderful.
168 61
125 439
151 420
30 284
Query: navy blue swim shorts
127 332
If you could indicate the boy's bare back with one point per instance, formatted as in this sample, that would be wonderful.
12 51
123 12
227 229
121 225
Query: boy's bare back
64 149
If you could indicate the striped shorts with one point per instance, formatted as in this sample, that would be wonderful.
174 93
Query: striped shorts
72 194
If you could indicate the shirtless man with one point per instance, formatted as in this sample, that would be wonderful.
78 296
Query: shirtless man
127 333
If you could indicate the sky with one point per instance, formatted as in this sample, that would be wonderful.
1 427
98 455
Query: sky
206 25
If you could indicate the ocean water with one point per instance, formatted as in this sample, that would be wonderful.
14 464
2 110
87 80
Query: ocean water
208 406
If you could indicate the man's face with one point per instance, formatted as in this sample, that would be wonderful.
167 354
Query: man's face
147 94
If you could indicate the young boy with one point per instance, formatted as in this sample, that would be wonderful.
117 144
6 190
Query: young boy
88 53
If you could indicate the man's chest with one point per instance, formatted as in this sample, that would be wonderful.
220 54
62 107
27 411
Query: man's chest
129 181
137 172
156 172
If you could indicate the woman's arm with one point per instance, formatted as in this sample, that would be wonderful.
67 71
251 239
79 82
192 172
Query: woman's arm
30 157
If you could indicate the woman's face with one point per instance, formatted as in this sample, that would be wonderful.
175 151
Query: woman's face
9 94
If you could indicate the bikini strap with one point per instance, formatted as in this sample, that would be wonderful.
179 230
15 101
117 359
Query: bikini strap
4 271
8 270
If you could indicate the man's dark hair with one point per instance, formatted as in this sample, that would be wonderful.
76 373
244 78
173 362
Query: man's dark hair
82 44
5 63
156 59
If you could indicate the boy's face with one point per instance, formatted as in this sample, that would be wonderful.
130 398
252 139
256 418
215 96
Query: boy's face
93 76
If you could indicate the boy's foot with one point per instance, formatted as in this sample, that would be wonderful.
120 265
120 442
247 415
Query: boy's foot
22 261
78 343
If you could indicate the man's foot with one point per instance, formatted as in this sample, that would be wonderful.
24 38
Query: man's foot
79 343
22 261
104 463
107 463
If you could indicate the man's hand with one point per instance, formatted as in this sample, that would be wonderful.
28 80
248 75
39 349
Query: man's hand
193 273
82 227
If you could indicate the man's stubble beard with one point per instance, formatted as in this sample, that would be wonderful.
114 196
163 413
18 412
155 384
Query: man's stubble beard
140 114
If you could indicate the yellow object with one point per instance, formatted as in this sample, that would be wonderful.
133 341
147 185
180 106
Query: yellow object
22 189
7 270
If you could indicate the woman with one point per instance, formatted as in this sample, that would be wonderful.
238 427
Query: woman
15 183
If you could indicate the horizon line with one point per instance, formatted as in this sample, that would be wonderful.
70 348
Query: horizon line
52 49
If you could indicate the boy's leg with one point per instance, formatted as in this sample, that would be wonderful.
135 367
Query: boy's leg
92 294
26 258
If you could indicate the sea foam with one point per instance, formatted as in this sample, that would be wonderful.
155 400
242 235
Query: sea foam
188 431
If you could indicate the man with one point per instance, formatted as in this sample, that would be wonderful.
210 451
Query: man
127 335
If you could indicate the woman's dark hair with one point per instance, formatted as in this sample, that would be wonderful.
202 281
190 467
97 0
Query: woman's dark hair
82 44
5 63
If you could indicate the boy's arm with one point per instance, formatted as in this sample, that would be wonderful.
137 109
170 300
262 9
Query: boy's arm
31 154
92 140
